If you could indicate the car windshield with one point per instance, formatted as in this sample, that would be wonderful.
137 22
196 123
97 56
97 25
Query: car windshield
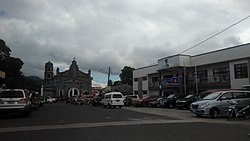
171 96
11 94
212 96
159 99
189 96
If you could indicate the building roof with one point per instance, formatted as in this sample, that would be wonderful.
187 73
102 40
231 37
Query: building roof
147 67
228 48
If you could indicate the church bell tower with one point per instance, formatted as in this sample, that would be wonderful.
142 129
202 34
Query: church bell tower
48 74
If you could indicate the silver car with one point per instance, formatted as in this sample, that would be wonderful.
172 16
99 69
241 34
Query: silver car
217 103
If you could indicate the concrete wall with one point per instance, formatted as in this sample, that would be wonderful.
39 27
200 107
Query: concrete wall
237 83
142 85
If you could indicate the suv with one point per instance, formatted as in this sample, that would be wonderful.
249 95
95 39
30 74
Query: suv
112 100
217 103
15 101
130 99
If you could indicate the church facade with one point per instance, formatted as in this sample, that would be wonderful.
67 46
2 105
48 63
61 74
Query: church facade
72 82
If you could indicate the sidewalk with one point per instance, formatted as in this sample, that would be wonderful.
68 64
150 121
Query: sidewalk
185 115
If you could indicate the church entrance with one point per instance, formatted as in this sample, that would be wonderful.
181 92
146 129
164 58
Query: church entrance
73 92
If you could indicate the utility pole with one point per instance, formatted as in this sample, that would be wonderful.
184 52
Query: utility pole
184 78
108 76
196 79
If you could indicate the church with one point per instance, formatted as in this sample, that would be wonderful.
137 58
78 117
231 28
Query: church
72 82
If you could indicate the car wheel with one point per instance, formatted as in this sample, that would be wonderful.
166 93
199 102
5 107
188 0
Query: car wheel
171 106
120 107
158 106
214 113
103 106
230 115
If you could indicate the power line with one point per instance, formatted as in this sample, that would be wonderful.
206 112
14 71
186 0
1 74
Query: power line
216 34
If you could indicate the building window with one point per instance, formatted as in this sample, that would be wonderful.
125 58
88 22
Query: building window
135 92
240 71
222 73
154 79
135 79
144 78
145 92
202 74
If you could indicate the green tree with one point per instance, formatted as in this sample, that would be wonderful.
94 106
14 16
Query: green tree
11 66
127 75
4 50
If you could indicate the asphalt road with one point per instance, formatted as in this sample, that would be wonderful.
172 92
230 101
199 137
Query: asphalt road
66 122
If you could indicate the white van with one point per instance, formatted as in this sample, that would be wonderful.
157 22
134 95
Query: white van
112 100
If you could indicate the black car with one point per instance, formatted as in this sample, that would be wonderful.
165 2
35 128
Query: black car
186 102
171 100
127 101
155 103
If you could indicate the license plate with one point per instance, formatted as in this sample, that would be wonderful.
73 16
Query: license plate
11 102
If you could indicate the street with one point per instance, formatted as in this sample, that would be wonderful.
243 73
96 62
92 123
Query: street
61 121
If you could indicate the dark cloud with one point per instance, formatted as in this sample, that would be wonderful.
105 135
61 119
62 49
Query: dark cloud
115 33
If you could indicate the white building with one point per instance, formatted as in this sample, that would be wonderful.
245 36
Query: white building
145 81
222 69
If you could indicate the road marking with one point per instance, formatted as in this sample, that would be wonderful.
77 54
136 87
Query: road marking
89 125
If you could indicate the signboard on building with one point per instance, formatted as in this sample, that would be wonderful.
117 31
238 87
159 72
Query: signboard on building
171 81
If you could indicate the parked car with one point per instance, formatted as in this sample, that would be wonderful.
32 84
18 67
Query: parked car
49 99
186 102
85 99
96 100
112 100
74 100
14 101
130 100
162 101
155 103
245 87
170 101
216 103
145 101
207 92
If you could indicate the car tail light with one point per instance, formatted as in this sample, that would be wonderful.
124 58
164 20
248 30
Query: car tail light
1 101
23 101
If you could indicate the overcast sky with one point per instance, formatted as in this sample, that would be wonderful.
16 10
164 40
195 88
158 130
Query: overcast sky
116 33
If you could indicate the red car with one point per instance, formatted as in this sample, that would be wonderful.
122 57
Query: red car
145 101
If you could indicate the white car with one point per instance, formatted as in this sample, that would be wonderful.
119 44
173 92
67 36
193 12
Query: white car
50 100
14 101
112 100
